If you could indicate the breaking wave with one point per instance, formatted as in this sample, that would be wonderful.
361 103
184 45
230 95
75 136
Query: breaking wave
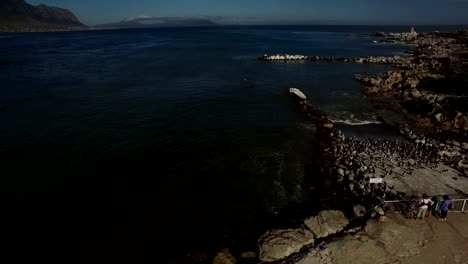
355 122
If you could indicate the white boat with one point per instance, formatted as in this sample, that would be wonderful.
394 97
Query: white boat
298 93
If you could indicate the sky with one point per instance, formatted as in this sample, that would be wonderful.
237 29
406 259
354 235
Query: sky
368 12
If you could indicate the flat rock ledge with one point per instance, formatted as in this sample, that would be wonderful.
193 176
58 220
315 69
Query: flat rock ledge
389 239
326 223
278 244
281 243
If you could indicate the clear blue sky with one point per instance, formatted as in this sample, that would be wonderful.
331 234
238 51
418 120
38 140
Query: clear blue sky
274 11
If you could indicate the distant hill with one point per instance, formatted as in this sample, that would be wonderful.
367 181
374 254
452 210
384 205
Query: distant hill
150 22
17 15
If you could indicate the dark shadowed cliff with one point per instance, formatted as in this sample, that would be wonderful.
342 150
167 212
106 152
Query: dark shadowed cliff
17 15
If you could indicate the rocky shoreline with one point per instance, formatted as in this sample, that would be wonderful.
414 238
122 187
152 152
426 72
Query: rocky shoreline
349 163
428 89
430 156
431 92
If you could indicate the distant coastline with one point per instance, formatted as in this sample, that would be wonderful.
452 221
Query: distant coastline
331 28
20 16
33 30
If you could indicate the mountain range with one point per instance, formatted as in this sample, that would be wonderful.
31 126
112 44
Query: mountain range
17 15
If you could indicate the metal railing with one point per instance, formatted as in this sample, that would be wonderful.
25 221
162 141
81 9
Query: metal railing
459 205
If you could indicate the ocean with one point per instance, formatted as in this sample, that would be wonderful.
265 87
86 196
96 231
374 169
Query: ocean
176 135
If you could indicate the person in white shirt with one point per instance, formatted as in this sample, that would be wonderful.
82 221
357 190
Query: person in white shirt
423 204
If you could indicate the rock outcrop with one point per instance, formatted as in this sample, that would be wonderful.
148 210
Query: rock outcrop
316 256
385 241
224 257
17 15
326 223
278 244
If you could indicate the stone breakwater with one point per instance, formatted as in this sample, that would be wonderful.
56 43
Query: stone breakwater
397 60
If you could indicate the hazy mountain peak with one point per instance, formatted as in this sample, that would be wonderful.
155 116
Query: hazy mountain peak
140 17
145 21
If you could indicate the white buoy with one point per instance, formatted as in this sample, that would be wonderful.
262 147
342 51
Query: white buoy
298 93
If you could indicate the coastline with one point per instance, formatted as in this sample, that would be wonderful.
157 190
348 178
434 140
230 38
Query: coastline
323 185
32 30
428 156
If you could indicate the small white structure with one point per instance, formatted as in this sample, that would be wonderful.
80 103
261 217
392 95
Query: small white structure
297 93
375 180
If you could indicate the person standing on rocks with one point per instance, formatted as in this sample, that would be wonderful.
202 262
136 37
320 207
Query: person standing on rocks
446 205
432 209
412 207
423 204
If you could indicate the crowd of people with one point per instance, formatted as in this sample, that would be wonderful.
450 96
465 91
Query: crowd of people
424 206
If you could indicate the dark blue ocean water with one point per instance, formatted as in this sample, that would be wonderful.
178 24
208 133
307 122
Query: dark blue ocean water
161 133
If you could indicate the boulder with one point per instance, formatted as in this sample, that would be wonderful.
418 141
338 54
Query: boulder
460 121
328 125
278 244
379 211
326 223
341 172
359 210
224 257
380 34
465 146
463 165
413 83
